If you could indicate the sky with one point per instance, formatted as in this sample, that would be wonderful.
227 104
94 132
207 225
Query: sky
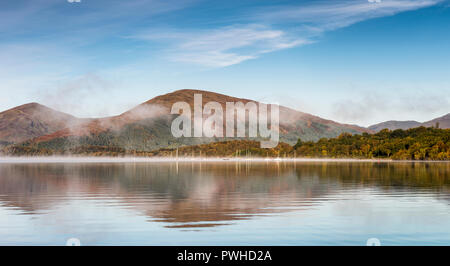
352 61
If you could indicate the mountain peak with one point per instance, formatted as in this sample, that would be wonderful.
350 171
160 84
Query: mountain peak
31 120
32 104
27 106
187 95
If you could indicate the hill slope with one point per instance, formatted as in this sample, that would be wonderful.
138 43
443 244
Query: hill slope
443 121
393 125
32 120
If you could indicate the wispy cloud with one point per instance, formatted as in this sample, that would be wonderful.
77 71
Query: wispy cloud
224 46
375 107
76 95
260 31
43 42
273 28
330 15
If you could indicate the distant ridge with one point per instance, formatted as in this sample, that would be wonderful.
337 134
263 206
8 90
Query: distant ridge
392 125
442 122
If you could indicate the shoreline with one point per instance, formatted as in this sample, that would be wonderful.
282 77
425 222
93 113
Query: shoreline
93 159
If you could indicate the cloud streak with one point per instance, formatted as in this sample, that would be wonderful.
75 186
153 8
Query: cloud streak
260 31
329 15
62 16
301 24
224 46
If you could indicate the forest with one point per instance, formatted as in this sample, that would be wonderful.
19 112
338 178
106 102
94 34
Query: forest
413 144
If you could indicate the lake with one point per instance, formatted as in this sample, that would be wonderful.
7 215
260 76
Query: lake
224 203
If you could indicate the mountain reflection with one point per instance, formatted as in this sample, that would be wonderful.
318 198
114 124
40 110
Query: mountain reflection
192 195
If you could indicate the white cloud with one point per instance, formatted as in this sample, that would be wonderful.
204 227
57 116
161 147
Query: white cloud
224 46
212 58
301 24
329 15
374 107
75 96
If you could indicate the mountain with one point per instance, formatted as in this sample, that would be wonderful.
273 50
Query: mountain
32 120
147 126
393 125
443 122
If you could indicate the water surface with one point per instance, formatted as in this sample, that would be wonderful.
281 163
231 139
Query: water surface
225 203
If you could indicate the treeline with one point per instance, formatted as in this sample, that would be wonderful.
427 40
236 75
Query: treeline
83 150
5 143
234 148
412 144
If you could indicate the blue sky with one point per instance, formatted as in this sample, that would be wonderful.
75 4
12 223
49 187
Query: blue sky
353 61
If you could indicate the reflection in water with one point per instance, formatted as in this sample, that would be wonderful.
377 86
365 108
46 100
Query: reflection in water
203 196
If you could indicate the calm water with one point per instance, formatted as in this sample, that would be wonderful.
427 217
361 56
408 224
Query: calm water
229 203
